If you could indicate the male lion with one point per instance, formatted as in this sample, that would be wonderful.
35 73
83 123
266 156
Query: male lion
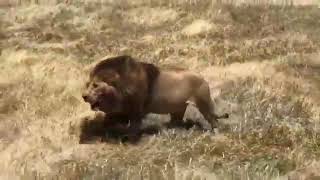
127 89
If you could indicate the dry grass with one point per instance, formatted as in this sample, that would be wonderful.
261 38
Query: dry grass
262 63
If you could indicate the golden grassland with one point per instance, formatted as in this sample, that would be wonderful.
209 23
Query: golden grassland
262 62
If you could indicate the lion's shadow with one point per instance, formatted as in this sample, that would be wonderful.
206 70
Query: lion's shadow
95 130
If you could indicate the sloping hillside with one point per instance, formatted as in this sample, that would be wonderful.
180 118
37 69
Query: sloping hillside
262 62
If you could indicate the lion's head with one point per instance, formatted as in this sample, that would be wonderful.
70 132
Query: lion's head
102 96
116 84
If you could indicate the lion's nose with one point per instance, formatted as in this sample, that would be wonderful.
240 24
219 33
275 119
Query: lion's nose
85 98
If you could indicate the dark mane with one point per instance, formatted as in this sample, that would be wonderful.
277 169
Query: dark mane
152 75
126 64
117 63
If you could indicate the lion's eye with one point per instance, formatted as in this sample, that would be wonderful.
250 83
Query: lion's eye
95 85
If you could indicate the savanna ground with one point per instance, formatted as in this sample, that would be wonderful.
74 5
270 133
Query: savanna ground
262 62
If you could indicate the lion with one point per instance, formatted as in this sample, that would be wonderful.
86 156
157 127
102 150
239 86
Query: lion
121 86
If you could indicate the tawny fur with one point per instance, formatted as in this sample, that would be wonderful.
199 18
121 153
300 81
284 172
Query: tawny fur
123 85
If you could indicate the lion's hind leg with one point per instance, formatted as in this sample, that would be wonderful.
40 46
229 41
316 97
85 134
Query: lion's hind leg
205 105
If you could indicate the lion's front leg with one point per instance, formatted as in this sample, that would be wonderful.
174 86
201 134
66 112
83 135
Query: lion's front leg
134 129
135 122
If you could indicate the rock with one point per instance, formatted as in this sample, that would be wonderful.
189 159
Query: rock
197 27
